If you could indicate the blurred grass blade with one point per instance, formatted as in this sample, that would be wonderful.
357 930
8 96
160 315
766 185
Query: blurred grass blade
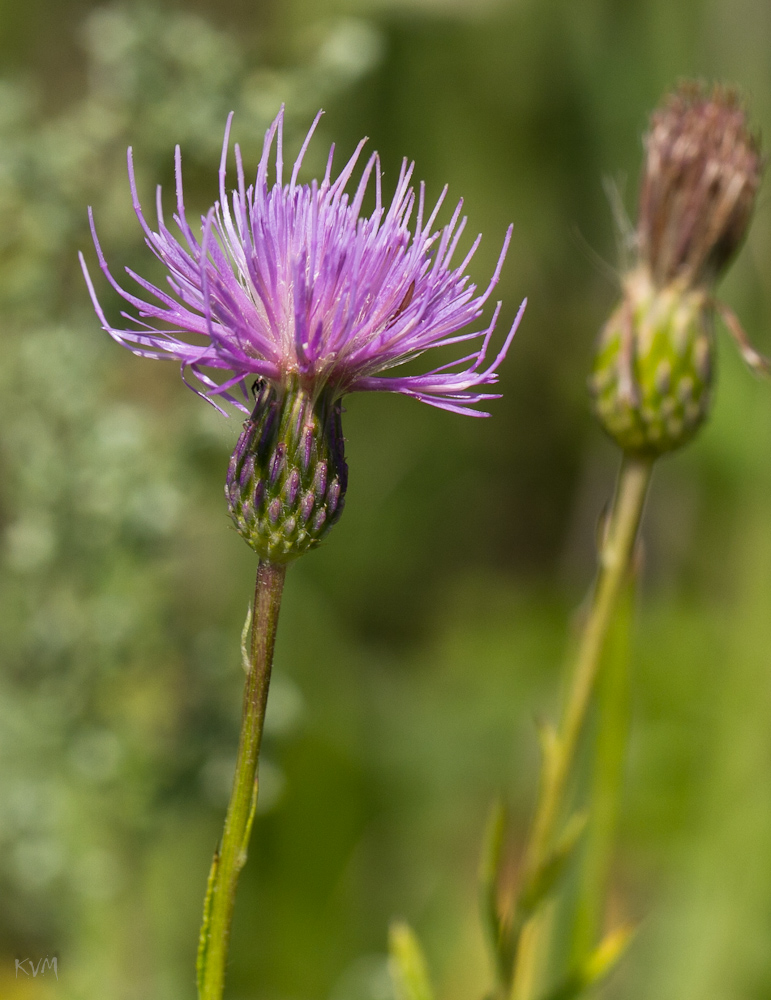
602 961
407 965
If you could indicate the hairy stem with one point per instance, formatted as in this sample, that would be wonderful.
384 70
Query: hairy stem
230 856
614 561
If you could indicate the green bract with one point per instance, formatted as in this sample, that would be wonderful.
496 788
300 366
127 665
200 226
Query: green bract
287 478
653 369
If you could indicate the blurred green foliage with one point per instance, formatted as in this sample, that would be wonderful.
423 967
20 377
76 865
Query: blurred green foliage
416 647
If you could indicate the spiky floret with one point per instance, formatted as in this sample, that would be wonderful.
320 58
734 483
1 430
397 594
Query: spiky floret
651 384
290 280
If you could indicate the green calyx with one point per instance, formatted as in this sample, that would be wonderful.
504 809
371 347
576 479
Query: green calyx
653 369
287 477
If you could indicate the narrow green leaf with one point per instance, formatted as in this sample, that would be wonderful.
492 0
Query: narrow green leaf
249 823
407 965
203 939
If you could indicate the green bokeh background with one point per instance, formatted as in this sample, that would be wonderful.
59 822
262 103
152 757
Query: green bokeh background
420 643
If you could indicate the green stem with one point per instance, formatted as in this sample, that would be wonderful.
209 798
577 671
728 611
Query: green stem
230 857
608 756
560 751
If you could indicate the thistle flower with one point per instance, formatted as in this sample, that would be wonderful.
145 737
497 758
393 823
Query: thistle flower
653 371
291 288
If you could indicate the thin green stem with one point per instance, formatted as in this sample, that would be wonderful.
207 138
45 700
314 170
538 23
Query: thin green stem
560 749
230 856
608 756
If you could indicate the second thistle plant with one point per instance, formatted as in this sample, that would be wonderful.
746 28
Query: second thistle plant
651 387
651 390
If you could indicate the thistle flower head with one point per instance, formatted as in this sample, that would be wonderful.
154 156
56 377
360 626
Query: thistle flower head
290 281
702 172
653 371
290 288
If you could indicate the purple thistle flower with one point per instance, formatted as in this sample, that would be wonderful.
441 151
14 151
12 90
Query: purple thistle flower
290 283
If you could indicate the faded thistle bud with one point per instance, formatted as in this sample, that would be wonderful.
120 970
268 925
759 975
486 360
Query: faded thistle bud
652 376
287 477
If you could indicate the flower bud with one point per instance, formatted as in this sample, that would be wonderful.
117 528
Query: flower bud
287 477
653 369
